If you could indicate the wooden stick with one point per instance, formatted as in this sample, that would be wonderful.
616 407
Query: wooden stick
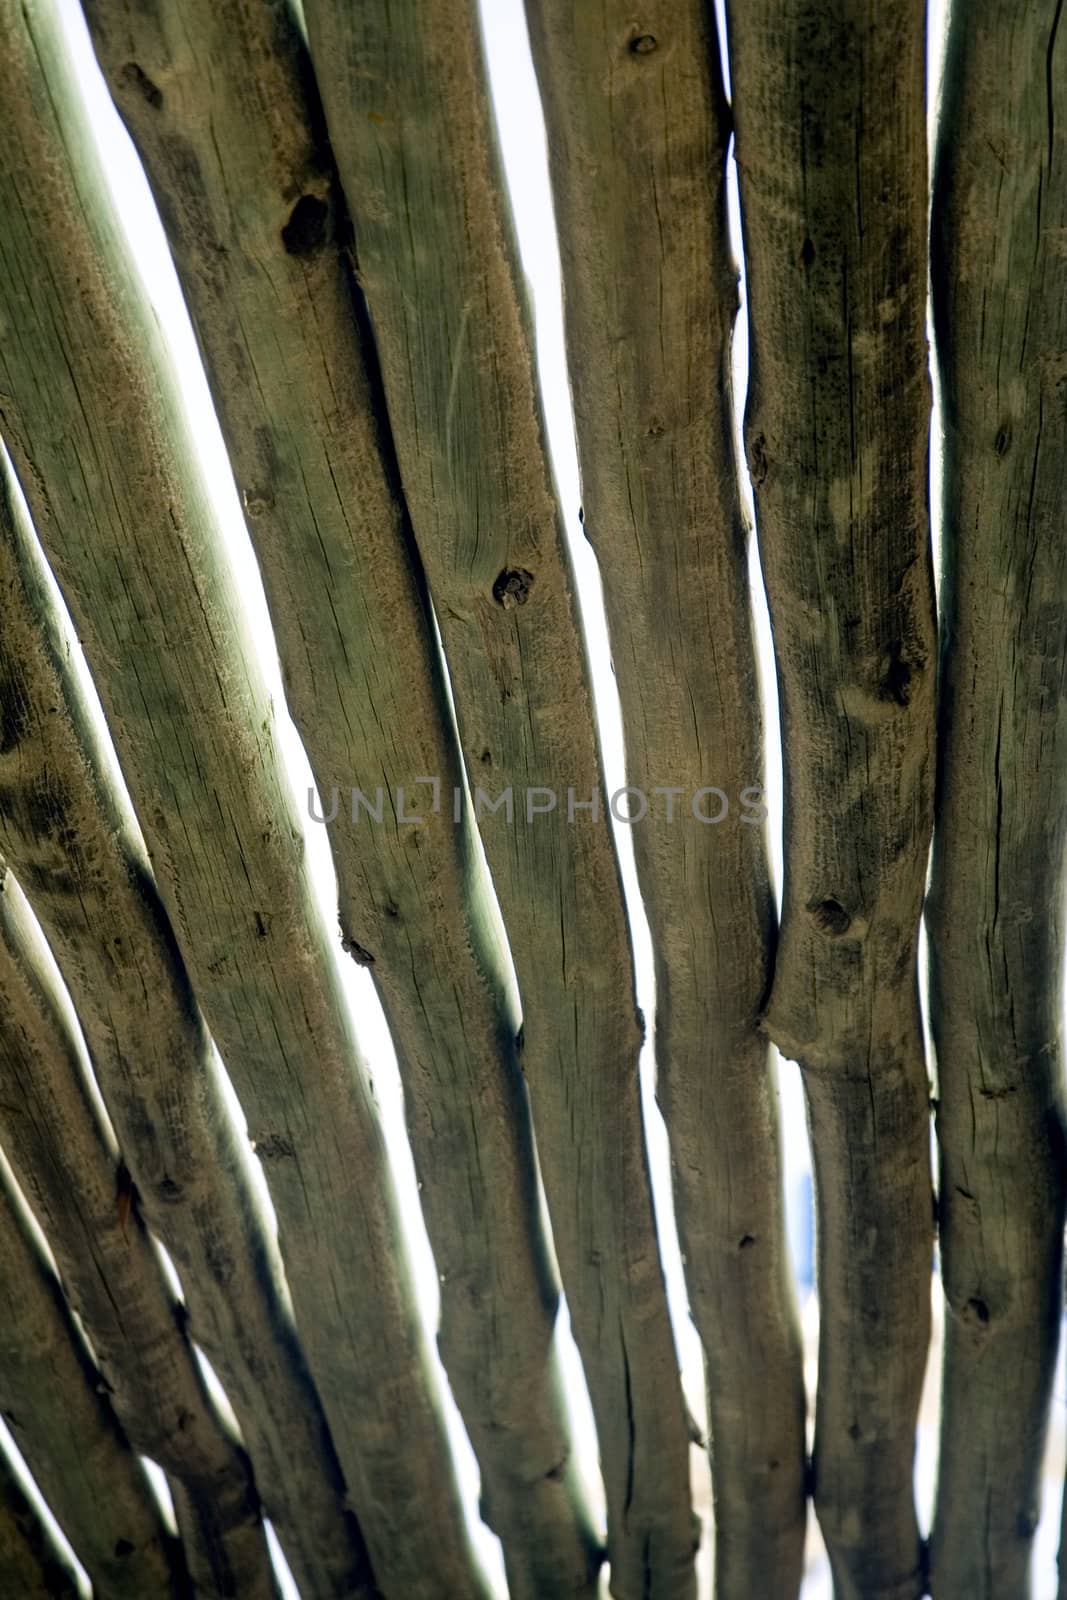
54 1400
234 143
995 915
102 448
637 134
66 828
33 1565
53 1135
830 115
407 105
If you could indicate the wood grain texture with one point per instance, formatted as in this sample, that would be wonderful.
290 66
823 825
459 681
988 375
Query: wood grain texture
54 1401
67 830
55 1138
234 143
995 914
829 103
101 446
637 132
33 1565
409 118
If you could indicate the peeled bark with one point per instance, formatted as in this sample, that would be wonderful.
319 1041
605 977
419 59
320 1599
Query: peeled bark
831 150
73 841
33 1565
55 1403
637 134
101 444
995 914
54 1137
234 144
407 106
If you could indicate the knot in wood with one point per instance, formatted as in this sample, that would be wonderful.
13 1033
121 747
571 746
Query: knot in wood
134 77
306 228
273 1147
257 501
830 917
512 587
360 955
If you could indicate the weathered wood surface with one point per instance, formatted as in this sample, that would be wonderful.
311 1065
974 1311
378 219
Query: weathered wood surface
637 132
101 445
410 123
33 1565
232 135
995 914
830 115
54 1401
69 834
67 1167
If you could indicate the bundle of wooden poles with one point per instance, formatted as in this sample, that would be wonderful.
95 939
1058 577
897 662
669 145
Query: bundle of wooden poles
332 192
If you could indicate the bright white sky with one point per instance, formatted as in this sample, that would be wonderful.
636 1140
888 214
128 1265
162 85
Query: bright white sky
521 132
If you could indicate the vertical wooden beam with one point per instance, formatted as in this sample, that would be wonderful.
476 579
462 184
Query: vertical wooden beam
996 915
234 142
407 105
830 112
102 448
637 134
53 1135
54 1400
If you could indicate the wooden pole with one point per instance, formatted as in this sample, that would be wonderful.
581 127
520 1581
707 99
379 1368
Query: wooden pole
408 111
102 448
995 915
66 1165
33 1565
637 134
830 112
54 1400
67 829
235 146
